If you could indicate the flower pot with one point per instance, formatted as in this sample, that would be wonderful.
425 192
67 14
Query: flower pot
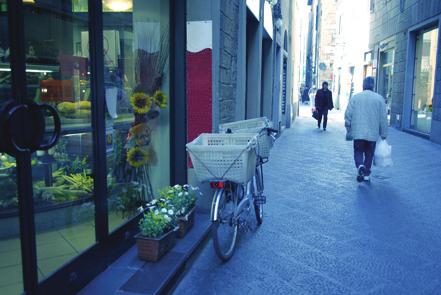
186 223
152 249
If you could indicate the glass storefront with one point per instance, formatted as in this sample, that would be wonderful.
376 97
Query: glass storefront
58 74
11 277
385 82
58 65
424 79
136 45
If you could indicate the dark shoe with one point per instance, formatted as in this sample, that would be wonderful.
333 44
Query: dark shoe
324 129
361 173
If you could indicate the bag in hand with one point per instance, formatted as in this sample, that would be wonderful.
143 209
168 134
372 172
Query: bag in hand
383 154
315 114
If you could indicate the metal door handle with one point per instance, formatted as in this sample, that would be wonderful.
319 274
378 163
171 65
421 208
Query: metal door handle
57 127
11 113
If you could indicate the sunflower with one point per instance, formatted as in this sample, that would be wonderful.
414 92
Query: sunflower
140 102
137 157
160 99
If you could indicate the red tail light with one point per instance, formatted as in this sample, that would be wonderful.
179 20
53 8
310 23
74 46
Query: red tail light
217 184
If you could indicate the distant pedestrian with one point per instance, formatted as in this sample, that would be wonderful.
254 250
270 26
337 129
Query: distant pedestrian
366 122
323 104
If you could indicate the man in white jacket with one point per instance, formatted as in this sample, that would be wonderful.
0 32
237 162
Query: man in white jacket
366 122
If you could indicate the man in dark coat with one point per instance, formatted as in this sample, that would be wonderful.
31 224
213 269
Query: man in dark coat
323 104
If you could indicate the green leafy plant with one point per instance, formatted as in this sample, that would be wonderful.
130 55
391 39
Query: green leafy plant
60 153
155 223
8 191
7 161
181 197
79 165
129 199
58 194
79 181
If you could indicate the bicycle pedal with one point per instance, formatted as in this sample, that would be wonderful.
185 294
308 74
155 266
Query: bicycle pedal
260 200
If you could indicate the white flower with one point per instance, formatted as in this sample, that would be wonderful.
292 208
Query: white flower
140 209
177 186
186 193
170 212
182 210
154 202
156 212
180 194
163 210
167 217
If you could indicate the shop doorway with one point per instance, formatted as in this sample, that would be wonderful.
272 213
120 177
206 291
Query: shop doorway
69 179
426 44
385 79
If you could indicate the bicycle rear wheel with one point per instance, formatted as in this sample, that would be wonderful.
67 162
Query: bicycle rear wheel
258 195
225 227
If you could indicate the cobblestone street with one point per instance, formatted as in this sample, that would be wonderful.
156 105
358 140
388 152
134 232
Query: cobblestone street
324 233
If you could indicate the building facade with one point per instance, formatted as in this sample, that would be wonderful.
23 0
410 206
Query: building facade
321 43
326 34
406 60
351 43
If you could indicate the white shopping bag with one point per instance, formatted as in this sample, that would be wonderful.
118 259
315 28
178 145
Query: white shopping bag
383 154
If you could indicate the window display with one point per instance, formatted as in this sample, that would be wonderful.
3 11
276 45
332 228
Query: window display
424 79
137 102
137 87
11 277
385 79
58 74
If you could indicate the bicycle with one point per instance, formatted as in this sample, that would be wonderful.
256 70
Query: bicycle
235 197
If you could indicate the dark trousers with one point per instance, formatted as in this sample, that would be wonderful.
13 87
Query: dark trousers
323 114
364 151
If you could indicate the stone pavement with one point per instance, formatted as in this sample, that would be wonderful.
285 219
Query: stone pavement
325 234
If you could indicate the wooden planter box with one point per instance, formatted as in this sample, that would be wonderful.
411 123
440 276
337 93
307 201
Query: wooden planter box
152 249
186 223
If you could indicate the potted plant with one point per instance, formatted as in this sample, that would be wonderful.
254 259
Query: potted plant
157 233
183 200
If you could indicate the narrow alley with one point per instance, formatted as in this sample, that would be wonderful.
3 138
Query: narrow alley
323 233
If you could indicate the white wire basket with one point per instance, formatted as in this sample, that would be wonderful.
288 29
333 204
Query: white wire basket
258 125
247 126
223 156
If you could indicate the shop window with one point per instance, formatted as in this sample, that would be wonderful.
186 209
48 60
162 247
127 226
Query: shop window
58 73
136 57
424 79
11 276
385 78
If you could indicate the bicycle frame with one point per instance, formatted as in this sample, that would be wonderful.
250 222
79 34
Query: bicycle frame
244 204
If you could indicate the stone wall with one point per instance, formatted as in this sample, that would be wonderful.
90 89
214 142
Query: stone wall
229 29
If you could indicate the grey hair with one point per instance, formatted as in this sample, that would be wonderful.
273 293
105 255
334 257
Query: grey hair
368 83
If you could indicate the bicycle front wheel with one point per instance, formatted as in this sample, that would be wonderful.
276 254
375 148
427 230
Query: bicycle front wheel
225 225
258 195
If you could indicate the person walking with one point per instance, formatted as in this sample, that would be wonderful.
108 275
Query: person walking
323 104
365 122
